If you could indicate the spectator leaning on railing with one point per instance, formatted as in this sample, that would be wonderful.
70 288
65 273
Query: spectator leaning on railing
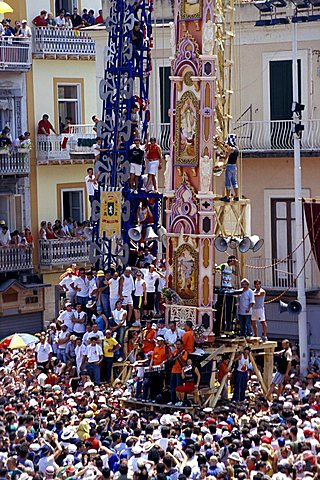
40 20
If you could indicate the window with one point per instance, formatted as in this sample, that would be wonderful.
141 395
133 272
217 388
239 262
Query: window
72 202
283 239
67 5
10 296
281 89
165 86
69 96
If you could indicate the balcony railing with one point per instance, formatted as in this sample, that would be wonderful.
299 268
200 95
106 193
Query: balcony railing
162 133
55 41
15 162
260 136
15 54
62 147
281 275
63 252
15 259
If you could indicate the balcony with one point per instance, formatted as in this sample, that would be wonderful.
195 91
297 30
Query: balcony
281 275
15 163
15 54
62 43
162 133
15 259
63 252
67 146
276 136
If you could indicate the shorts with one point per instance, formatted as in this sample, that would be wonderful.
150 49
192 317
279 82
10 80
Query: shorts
150 301
153 166
127 300
231 177
135 169
278 378
137 302
258 314
188 387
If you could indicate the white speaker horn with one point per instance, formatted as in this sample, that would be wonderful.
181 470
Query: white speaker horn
135 233
220 243
256 243
150 235
234 242
162 232
244 245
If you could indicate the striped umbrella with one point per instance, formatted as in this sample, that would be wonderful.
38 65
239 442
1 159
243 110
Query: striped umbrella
18 340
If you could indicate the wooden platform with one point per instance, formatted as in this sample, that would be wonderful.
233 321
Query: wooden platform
138 405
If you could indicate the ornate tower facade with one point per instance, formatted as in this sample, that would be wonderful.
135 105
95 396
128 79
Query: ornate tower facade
189 172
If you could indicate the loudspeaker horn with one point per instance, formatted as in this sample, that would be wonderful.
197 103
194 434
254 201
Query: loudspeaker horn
220 243
135 233
256 243
293 308
150 235
234 242
244 245
162 232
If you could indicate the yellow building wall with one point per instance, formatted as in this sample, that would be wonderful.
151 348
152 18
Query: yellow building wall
47 72
49 176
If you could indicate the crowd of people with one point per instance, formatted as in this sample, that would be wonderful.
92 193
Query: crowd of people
66 19
14 238
67 229
61 417
7 143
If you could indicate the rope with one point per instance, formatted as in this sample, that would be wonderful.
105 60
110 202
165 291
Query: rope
298 274
290 254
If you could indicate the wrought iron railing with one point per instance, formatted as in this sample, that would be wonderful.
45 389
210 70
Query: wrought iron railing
63 252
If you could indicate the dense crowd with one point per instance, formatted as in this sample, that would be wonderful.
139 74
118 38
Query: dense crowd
65 19
67 229
14 238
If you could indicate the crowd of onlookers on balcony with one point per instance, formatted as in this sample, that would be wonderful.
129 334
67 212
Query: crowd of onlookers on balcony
67 20
9 145
65 230
64 19
14 238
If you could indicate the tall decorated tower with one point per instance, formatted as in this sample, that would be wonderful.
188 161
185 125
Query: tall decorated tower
189 172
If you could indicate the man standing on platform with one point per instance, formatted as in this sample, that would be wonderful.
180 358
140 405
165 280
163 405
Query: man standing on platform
258 311
246 302
188 337
180 355
281 377
227 270
154 382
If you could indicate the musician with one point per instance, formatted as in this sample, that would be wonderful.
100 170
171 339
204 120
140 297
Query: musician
227 270
232 153
179 360
191 380
188 337
148 338
154 382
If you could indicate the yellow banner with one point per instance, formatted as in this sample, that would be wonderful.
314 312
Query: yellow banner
110 214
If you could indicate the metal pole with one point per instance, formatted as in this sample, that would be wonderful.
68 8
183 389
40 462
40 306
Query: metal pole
301 292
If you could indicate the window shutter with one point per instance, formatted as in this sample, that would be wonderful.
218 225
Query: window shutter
18 212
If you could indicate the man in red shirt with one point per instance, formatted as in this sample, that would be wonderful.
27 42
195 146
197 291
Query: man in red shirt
99 18
44 126
40 20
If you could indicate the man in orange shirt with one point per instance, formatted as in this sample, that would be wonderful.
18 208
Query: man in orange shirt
148 337
223 370
188 337
153 383
180 355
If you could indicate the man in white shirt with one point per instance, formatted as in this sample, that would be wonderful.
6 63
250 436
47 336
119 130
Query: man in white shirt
93 358
65 284
81 286
91 184
25 30
114 290
96 333
63 338
60 20
150 277
81 352
5 236
43 352
79 319
172 334
66 317
246 302
126 287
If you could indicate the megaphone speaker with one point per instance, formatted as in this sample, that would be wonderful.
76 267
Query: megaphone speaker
293 308
135 233
220 243
256 243
244 245
162 232
234 242
150 235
